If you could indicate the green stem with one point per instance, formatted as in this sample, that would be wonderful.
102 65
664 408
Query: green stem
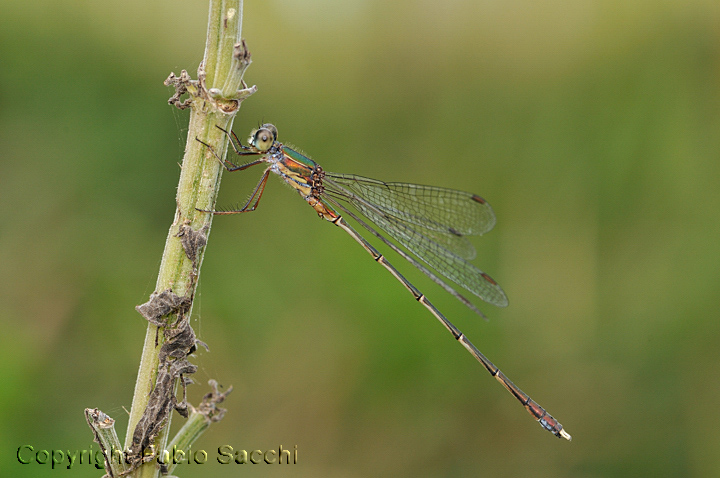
103 428
199 420
215 101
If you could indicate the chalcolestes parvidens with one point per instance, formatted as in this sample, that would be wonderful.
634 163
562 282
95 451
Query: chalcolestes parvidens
430 222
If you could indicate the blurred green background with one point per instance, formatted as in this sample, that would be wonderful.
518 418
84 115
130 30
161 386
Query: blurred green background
591 127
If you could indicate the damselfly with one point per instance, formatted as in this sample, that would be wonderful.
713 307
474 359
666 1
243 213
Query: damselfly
430 222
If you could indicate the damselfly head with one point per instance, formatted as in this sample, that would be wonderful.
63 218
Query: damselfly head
264 137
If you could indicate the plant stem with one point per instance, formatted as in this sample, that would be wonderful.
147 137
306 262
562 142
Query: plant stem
103 428
199 420
214 102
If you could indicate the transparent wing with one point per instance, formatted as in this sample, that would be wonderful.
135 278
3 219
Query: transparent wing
444 210
443 215
430 222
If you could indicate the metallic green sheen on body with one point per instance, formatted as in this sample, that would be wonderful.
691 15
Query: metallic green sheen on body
300 158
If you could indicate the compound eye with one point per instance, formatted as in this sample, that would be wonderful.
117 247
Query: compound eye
263 138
